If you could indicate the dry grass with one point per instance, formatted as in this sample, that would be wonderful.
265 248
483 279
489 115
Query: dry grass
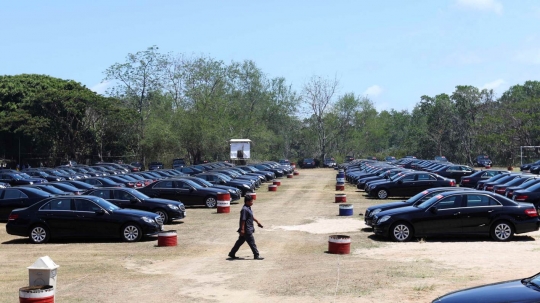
296 268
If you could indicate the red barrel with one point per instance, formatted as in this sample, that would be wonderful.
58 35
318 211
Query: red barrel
34 294
167 238
223 203
340 186
339 244
296 173
289 176
340 198
253 195
272 187
277 182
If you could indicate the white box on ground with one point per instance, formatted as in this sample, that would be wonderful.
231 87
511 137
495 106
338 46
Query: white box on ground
42 272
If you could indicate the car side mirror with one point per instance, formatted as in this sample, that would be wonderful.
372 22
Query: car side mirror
134 200
192 189
400 181
433 210
100 212
221 182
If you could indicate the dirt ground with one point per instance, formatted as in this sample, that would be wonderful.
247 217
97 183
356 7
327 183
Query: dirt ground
298 220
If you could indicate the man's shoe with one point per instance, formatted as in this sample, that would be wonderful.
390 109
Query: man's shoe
258 258
233 256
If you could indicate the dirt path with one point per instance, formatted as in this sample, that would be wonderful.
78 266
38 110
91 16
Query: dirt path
298 219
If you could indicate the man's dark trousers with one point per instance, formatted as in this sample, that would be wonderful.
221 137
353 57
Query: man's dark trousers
250 241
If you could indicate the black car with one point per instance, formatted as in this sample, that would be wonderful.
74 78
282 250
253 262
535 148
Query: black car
220 179
308 163
155 165
488 185
501 188
329 162
185 191
458 212
168 210
102 182
441 159
455 172
384 175
472 180
77 184
521 290
47 187
44 175
408 184
527 166
481 184
483 161
19 179
234 192
17 197
68 188
139 165
178 163
81 216
530 194
510 190
415 200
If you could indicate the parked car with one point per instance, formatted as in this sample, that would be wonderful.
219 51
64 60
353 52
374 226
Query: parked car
414 200
472 180
527 166
102 182
219 179
481 183
441 159
455 172
458 212
43 175
47 187
308 163
178 163
483 160
284 161
81 217
14 179
185 191
168 210
4 185
530 194
390 159
329 162
409 184
155 165
17 197
525 290
234 192
138 165
509 193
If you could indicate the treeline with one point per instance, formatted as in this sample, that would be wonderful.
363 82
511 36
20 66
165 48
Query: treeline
165 106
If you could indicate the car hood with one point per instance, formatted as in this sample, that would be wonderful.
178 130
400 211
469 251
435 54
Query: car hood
387 205
134 212
163 201
510 291
399 210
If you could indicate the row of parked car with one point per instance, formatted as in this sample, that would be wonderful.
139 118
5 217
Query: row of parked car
125 204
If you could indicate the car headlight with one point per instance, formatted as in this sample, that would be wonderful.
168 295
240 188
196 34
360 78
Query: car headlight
372 187
245 185
58 179
147 220
383 219
172 206
378 210
31 183
232 191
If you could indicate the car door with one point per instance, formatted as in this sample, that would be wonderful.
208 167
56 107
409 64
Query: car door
93 221
60 218
124 199
477 212
164 189
186 192
405 186
442 218
423 182
12 198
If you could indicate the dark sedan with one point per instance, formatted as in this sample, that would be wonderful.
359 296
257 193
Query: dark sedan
408 184
185 191
509 193
19 179
308 163
458 212
455 172
219 179
415 200
482 183
234 192
527 166
472 180
81 216
17 197
155 165
529 194
168 210
102 182
522 290
44 175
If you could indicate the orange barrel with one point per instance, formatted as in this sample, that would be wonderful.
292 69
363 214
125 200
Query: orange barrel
277 182
340 186
272 187
339 244
35 294
223 203
253 195
296 173
167 238
341 198
289 176
346 210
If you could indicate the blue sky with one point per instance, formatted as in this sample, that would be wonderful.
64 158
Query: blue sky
391 51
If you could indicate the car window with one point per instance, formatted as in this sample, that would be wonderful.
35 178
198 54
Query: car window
164 184
408 178
58 204
14 194
449 202
102 193
123 195
183 185
425 177
86 205
480 200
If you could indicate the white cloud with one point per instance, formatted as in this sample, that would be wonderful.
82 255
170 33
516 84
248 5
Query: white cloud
494 84
100 88
373 91
482 5
529 56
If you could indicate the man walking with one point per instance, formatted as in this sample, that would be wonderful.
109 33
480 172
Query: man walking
246 230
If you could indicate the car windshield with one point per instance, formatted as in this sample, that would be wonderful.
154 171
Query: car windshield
225 177
137 194
52 190
427 203
105 204
534 187
529 183
204 182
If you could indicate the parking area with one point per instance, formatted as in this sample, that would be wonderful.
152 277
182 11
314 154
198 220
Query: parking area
298 219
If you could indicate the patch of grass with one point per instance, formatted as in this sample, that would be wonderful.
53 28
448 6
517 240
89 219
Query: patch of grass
424 287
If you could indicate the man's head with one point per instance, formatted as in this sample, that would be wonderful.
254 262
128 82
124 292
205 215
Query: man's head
248 200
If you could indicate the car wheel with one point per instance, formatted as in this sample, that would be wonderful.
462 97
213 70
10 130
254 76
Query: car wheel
382 194
163 215
39 234
210 202
502 231
131 232
401 232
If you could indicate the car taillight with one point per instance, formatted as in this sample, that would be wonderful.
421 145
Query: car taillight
130 184
521 197
465 180
509 193
78 193
452 183
13 217
531 213
489 188
500 190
